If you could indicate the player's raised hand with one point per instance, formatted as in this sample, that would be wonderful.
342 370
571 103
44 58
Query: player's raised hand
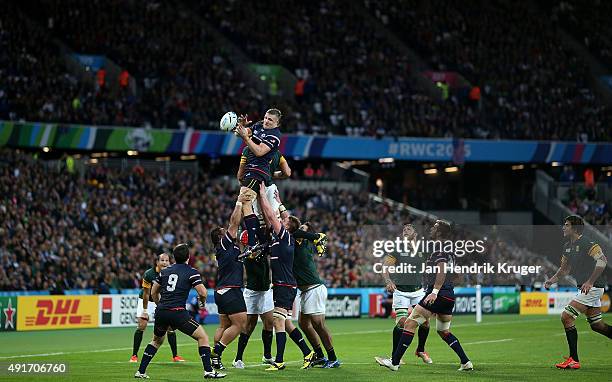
243 120
430 299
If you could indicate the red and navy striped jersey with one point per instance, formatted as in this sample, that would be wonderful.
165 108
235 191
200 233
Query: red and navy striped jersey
230 270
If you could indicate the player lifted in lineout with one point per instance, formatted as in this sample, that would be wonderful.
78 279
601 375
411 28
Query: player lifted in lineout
146 309
407 292
439 302
583 259
262 140
170 290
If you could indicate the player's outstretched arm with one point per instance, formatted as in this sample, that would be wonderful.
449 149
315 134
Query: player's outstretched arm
237 215
154 293
268 212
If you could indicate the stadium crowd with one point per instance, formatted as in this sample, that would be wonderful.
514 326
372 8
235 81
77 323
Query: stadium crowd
533 86
60 230
352 78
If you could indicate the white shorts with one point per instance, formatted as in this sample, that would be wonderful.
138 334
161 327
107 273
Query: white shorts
591 299
271 193
258 301
150 309
313 300
405 300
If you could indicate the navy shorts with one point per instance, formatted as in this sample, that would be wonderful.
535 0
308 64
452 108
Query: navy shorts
284 296
173 319
252 179
231 301
444 304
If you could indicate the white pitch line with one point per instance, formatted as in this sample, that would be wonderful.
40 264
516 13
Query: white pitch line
333 334
488 342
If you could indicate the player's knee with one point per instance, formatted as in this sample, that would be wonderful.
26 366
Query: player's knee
157 341
596 323
401 315
442 326
443 333
400 321
569 315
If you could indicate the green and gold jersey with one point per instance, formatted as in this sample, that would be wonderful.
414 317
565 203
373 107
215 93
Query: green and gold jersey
258 274
579 256
304 267
147 281
407 282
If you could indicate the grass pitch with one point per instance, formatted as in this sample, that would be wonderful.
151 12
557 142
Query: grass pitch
502 348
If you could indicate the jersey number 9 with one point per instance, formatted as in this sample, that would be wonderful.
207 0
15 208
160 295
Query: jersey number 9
172 279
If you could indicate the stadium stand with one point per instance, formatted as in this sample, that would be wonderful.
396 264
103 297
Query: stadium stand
355 80
534 87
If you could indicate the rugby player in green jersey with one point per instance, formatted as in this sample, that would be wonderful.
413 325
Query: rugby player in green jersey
586 262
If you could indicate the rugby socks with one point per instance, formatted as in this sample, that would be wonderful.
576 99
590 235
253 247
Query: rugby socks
205 357
397 334
243 340
266 337
454 344
172 343
319 352
423 333
252 225
572 341
331 354
147 356
297 337
281 341
137 341
219 347
402 346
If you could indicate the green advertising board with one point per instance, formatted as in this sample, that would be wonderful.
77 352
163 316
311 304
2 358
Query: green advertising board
506 302
8 313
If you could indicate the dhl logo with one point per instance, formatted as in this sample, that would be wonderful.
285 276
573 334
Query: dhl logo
58 312
534 303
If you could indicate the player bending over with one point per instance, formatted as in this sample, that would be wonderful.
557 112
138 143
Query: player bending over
585 260
228 294
170 290
439 301
407 291
146 309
